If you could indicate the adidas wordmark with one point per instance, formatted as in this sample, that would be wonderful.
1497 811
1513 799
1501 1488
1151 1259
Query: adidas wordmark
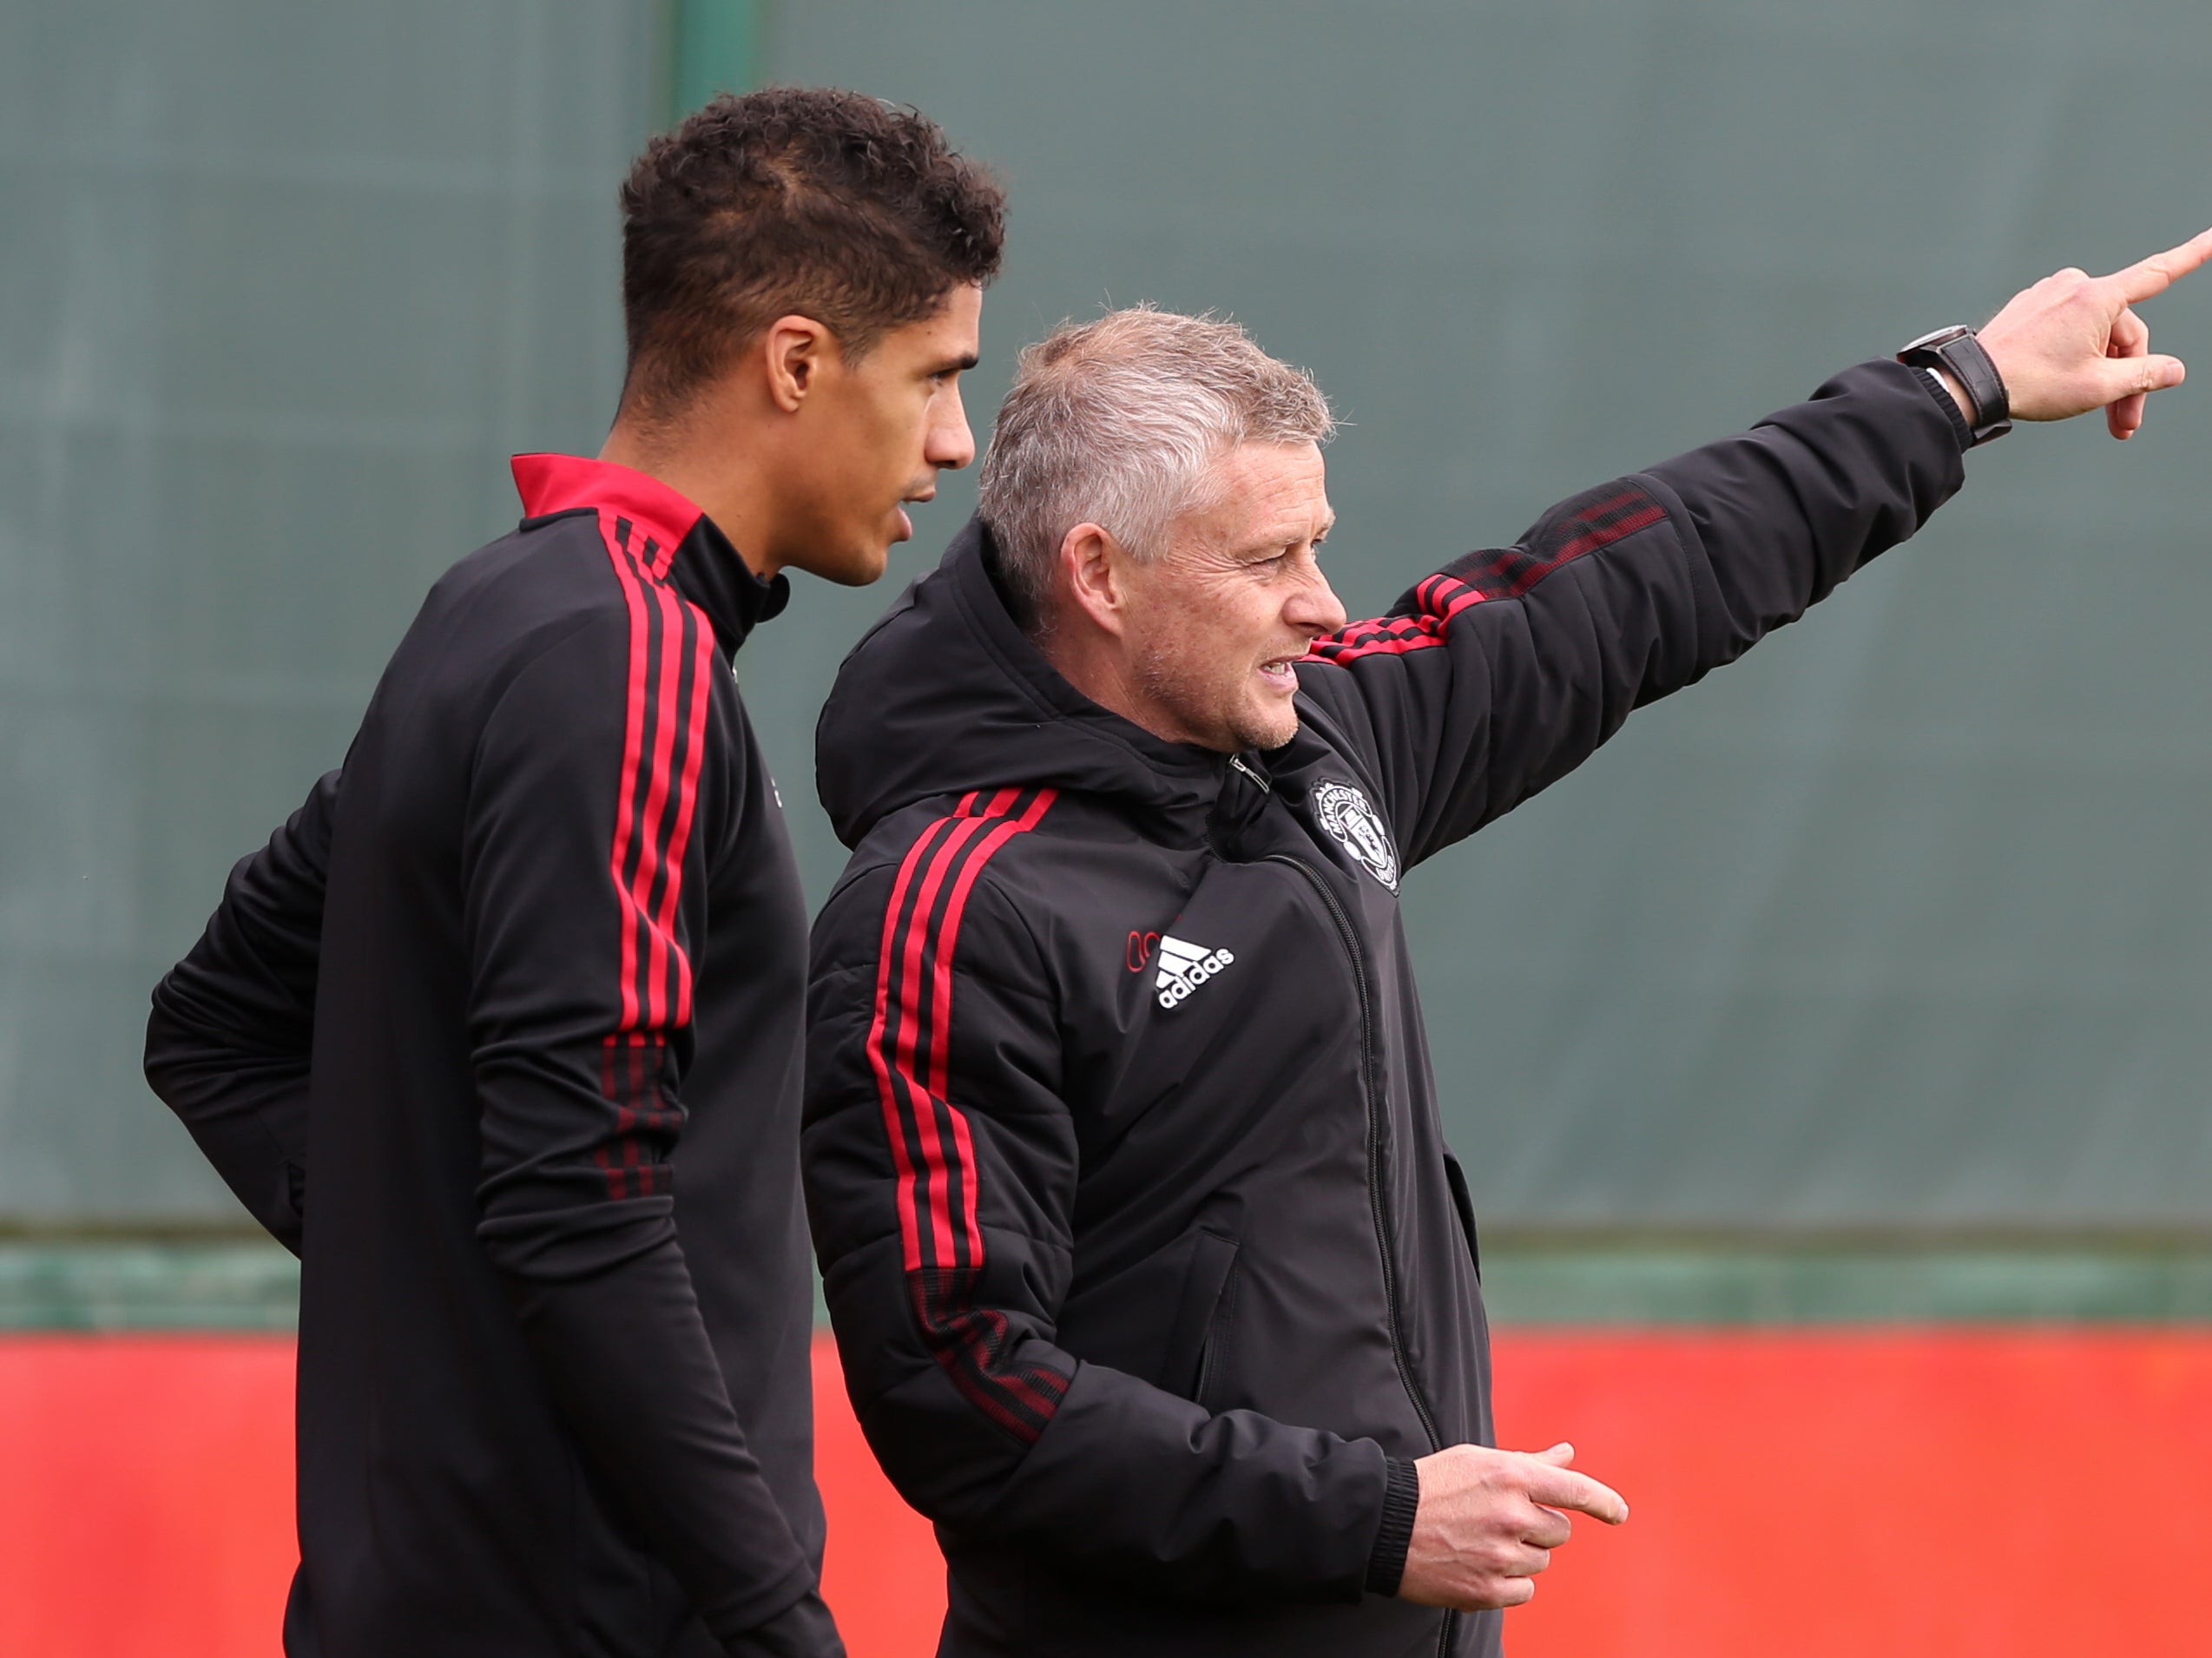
1184 967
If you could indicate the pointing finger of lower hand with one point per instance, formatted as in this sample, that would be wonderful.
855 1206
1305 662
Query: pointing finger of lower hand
1562 1488
2161 271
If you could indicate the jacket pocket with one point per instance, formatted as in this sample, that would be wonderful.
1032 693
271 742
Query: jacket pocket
1193 1336
1465 1203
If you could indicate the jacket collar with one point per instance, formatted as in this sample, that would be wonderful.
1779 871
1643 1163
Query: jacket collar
947 694
667 534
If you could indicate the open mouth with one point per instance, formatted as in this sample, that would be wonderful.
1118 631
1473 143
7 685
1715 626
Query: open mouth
1281 673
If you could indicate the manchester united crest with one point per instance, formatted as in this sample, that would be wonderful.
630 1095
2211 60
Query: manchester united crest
1345 813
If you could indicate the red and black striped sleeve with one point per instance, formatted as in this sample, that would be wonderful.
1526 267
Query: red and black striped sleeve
597 784
1496 676
940 1163
581 903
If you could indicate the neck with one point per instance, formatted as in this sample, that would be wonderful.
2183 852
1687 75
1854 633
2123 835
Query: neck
710 462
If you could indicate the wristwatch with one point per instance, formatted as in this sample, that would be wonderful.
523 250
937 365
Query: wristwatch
1958 350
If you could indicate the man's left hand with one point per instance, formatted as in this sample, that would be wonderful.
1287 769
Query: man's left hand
2073 342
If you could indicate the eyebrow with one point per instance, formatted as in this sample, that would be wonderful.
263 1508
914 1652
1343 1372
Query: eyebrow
957 365
1266 545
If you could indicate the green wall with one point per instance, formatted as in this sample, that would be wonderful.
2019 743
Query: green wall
1902 923
1898 926
280 287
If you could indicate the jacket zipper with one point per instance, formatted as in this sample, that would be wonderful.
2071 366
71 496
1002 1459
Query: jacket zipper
1378 1124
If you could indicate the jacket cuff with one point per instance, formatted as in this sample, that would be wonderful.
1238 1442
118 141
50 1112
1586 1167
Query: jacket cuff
1401 1500
1933 384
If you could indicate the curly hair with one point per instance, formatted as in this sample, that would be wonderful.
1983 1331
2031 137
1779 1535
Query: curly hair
809 200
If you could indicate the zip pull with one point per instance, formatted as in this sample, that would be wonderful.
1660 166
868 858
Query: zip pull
1236 763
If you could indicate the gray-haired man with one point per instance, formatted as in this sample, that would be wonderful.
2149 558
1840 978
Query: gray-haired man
1154 1282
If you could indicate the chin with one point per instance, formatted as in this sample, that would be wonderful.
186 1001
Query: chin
857 567
1264 729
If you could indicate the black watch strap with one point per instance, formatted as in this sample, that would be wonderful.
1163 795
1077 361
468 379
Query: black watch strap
1958 350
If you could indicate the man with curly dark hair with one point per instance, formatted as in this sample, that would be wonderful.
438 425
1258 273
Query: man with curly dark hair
462 1035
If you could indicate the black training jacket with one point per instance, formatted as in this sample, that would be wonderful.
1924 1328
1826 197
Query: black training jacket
1148 1264
462 1036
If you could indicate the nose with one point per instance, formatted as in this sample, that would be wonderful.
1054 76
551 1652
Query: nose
951 445
1317 609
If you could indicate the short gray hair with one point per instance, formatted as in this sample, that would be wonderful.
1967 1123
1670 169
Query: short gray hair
1118 422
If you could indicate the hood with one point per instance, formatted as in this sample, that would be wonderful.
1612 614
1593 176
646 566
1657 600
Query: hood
947 694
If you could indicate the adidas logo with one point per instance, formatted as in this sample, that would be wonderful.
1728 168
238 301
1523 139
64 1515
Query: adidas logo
1184 967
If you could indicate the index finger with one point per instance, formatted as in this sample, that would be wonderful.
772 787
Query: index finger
2161 271
1562 1488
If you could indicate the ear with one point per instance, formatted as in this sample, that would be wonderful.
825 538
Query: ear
796 351
1093 576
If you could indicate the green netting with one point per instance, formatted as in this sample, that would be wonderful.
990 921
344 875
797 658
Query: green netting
1901 924
280 286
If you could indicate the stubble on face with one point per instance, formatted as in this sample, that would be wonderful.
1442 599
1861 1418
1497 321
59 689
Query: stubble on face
1236 587
1204 691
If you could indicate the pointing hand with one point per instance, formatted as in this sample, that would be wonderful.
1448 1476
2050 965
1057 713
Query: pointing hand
2073 342
1489 1521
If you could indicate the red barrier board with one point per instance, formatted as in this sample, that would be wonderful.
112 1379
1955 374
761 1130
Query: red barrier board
2021 1493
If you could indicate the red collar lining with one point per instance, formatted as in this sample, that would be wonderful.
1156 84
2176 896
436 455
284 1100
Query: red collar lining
551 484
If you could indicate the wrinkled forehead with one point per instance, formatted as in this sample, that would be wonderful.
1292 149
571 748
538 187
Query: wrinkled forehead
1257 496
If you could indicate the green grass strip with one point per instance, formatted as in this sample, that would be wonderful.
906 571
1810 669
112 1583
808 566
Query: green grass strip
1725 1284
145 1285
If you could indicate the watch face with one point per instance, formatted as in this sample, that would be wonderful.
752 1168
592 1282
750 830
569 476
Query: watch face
1940 337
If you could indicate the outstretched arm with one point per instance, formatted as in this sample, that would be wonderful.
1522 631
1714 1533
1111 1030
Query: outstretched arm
1501 673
